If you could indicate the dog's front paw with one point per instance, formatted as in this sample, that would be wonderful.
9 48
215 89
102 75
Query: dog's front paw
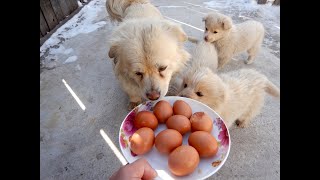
248 61
241 124
132 105
220 66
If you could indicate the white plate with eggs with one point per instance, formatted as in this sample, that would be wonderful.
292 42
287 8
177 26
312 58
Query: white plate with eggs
206 167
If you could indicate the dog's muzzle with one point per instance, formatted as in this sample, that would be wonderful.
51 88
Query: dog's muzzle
153 95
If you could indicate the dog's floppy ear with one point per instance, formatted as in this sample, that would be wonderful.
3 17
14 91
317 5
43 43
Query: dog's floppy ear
176 30
226 23
204 18
113 51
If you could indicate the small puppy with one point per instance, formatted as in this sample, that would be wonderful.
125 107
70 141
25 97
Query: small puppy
147 53
203 54
231 39
236 96
120 10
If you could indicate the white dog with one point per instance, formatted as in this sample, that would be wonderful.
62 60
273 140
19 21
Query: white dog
120 10
147 50
203 54
147 54
230 39
236 96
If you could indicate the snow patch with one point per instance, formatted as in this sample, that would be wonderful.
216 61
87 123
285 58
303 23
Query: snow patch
80 4
170 6
61 50
68 51
70 59
248 8
78 67
82 22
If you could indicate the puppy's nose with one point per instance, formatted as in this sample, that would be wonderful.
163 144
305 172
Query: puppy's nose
153 95
183 95
206 38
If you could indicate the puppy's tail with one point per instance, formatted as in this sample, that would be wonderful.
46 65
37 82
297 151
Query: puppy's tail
272 89
116 8
193 40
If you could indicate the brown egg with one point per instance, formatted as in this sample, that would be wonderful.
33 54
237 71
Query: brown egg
179 123
204 143
200 121
145 119
162 110
167 140
142 140
183 160
182 108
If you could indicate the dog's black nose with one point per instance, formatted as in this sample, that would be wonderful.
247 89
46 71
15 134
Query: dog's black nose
206 38
182 95
153 95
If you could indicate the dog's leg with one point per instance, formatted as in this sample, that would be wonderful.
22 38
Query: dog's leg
222 61
240 123
252 111
134 101
131 90
253 51
252 54
193 39
174 86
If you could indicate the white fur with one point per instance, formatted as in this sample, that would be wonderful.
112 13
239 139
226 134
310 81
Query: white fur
141 46
203 54
120 10
237 96
231 39
145 45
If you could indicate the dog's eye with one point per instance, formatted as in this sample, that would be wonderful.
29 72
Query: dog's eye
139 73
199 94
185 85
162 68
215 32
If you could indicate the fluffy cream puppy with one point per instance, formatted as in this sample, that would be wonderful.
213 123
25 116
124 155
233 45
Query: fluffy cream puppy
231 39
203 54
120 10
146 54
237 96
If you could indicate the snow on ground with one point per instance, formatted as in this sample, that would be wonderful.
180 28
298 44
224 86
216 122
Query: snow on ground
79 4
70 59
83 22
239 10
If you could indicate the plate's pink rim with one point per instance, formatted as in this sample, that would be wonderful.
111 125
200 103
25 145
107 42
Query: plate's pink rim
178 97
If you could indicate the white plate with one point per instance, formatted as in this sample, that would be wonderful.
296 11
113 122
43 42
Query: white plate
207 166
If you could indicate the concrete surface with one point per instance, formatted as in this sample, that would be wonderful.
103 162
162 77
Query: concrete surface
71 143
